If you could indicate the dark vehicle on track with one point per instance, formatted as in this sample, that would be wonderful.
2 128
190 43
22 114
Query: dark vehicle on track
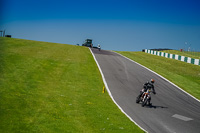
88 43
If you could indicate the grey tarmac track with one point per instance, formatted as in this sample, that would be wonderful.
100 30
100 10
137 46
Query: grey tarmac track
173 111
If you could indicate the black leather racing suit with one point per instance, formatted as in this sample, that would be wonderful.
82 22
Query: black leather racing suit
147 85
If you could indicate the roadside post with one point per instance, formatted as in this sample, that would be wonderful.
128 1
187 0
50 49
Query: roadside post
103 89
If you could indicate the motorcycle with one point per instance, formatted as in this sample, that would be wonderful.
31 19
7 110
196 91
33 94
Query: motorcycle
145 98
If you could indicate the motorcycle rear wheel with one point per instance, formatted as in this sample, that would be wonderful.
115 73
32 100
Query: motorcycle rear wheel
137 100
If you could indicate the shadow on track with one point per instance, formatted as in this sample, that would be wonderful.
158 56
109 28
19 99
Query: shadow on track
156 107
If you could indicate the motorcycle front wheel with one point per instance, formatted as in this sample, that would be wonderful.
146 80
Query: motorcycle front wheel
144 102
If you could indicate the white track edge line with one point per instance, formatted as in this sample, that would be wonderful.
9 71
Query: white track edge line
107 88
160 76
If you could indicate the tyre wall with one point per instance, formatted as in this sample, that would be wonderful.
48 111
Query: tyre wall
174 56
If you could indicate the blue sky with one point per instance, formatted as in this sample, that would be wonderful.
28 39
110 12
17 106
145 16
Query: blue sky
124 25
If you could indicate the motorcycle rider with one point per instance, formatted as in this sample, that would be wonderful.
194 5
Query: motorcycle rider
147 85
99 47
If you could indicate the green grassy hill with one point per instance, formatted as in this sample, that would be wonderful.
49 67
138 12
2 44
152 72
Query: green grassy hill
185 75
48 87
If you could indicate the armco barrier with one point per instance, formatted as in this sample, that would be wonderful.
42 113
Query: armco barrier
174 56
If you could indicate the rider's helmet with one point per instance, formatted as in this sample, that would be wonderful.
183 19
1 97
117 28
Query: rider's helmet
152 81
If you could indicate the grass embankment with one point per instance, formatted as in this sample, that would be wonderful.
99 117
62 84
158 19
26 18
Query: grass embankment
185 75
194 55
47 87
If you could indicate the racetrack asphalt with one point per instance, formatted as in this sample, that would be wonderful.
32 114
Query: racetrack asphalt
172 110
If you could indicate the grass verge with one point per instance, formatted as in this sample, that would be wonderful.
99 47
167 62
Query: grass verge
48 87
185 75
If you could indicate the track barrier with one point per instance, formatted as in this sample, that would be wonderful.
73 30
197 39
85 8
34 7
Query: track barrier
174 56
